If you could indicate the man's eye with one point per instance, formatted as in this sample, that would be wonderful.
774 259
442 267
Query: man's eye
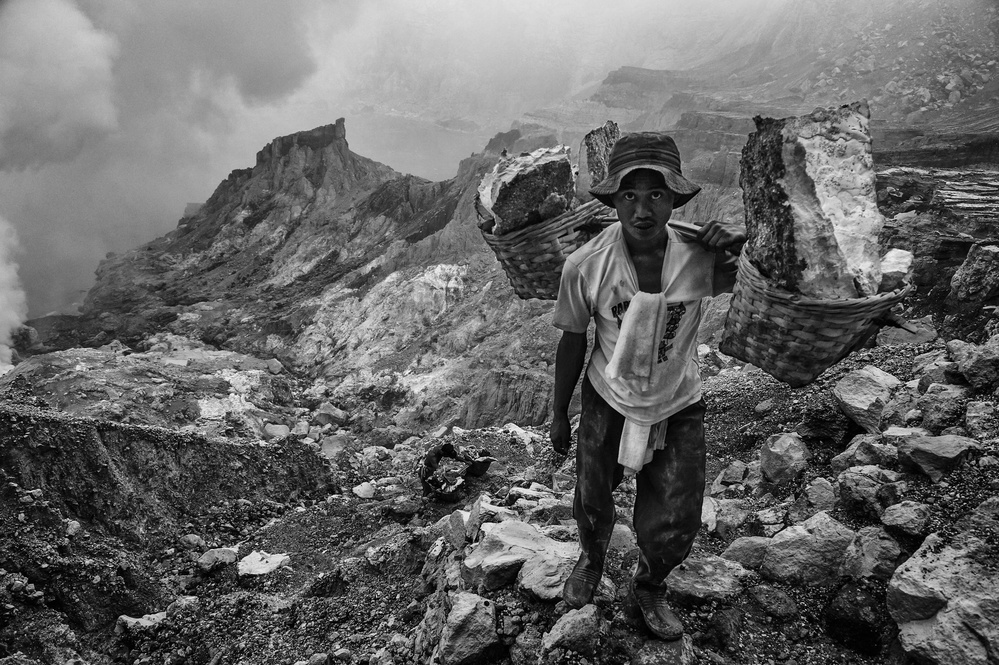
629 196
656 196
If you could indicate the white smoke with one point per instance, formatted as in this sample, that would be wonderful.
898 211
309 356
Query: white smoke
13 304
55 82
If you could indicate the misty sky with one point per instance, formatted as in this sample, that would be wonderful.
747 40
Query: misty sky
116 113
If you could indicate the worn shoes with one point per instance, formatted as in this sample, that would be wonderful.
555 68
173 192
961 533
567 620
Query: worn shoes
656 612
583 581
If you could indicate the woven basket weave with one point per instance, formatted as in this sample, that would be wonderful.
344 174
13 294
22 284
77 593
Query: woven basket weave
532 257
791 337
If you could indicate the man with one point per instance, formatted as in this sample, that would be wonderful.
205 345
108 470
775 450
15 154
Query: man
659 409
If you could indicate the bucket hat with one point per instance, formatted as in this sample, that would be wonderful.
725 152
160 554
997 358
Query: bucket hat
645 150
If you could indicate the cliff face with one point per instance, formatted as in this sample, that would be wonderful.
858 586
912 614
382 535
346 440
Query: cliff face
361 279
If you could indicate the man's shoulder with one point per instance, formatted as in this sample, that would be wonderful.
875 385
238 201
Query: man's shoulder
597 248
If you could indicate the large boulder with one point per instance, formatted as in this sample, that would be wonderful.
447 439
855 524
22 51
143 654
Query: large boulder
862 395
944 597
810 553
935 456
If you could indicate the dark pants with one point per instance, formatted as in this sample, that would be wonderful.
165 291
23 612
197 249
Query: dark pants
670 487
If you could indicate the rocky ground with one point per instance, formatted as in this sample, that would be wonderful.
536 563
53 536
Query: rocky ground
852 520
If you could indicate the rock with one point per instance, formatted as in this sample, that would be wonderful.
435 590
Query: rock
809 553
768 521
364 491
276 431
978 364
973 288
774 602
747 551
183 604
724 629
857 619
800 206
925 332
192 541
862 395
941 371
896 268
700 580
657 652
594 155
942 406
817 497
72 528
894 436
731 475
261 563
869 489
577 630
730 514
865 449
944 597
327 414
456 529
980 420
783 458
469 634
498 558
935 456
130 625
526 190
909 517
872 554
217 557
274 366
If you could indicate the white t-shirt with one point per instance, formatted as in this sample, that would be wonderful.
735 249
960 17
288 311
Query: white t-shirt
599 280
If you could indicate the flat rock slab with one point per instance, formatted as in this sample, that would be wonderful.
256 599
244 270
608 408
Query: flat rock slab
504 551
701 580
657 652
944 598
261 563
935 456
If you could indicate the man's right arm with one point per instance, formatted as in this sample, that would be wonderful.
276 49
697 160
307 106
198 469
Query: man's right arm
569 359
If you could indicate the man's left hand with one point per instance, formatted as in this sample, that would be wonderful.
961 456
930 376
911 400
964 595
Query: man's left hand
719 236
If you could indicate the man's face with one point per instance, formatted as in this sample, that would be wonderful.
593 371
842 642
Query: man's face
644 205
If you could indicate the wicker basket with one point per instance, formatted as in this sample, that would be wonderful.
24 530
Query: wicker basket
532 257
791 337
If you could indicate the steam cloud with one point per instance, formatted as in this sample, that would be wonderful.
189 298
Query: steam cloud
116 113
13 304
55 79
